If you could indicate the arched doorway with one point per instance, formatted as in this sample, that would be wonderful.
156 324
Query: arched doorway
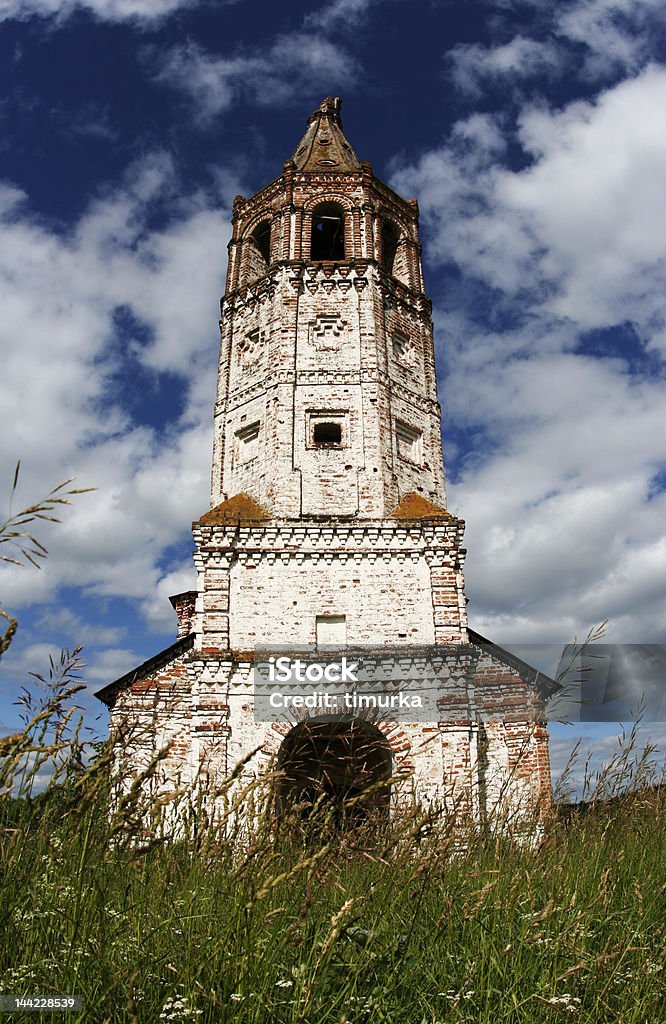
341 768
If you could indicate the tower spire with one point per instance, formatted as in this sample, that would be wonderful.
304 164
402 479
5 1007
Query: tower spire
324 144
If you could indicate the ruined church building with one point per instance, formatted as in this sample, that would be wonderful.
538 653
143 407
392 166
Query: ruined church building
328 522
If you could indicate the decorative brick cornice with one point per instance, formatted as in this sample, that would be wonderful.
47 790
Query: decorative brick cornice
242 393
438 538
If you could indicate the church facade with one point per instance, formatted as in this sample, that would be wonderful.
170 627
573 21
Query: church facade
328 529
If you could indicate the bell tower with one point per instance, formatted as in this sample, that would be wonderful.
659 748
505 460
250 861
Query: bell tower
327 395
328 523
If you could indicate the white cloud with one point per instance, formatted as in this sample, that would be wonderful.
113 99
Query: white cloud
290 65
34 657
594 201
562 529
110 664
104 10
61 366
157 609
70 630
583 227
475 68
588 40
346 14
618 35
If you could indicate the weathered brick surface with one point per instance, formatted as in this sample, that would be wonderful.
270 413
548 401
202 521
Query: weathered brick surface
354 527
184 607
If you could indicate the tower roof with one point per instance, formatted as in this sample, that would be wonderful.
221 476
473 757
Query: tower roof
324 145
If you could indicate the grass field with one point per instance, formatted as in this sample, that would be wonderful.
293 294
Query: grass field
391 923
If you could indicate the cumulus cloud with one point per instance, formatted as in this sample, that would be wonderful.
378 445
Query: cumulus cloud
65 354
291 64
594 198
582 228
71 629
554 352
23 661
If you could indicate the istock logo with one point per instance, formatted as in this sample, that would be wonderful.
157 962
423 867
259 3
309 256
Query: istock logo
339 682
433 682
287 670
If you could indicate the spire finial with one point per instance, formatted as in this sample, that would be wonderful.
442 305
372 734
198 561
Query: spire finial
324 144
328 108
331 106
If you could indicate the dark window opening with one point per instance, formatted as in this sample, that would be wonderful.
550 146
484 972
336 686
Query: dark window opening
390 240
328 232
327 433
261 236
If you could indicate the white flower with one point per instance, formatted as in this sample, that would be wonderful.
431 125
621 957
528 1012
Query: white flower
566 1000
178 1010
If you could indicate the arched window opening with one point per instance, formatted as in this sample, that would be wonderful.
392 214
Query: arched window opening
258 251
390 241
328 232
261 236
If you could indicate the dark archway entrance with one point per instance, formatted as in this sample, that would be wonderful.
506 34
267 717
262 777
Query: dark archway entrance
338 769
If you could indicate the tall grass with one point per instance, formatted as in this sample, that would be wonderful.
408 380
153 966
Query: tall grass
390 922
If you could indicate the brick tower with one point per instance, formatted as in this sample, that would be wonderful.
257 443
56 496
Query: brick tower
328 521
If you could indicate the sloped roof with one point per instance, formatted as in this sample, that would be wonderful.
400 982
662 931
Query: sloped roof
109 692
545 685
233 510
415 506
324 145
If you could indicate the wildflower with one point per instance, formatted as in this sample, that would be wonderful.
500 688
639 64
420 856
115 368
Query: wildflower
566 1001
178 1010
236 997
283 983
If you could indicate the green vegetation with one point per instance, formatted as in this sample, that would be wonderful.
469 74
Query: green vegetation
385 923
392 923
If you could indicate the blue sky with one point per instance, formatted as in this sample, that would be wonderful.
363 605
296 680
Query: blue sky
533 136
